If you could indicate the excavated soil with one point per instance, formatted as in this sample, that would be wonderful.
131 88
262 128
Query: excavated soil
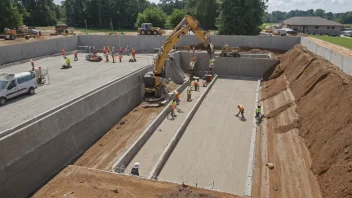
119 138
75 181
322 97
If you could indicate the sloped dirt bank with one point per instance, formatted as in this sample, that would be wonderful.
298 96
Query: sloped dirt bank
323 98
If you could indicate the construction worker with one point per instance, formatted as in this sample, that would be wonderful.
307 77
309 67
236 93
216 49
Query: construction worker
95 50
63 53
32 63
133 54
127 51
104 50
135 169
211 66
172 107
121 50
76 55
195 84
120 57
107 57
68 61
204 83
189 94
108 50
258 111
240 110
177 97
113 54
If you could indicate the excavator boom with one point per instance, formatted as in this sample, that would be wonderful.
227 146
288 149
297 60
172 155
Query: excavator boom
155 81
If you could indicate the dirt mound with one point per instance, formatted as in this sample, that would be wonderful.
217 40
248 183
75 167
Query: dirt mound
76 181
323 95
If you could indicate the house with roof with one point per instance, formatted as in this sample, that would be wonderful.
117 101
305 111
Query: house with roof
313 25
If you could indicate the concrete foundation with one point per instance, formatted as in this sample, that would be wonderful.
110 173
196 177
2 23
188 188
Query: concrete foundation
228 66
42 148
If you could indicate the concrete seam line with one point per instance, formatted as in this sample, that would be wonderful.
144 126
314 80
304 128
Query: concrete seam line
173 142
132 151
40 116
250 169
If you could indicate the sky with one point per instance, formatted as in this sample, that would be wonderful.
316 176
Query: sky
287 5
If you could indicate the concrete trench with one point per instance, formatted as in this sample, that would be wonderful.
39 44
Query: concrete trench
52 141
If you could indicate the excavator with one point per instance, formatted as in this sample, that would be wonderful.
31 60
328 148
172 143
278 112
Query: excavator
155 81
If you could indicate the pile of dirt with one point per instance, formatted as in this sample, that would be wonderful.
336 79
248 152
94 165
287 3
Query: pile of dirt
323 96
75 181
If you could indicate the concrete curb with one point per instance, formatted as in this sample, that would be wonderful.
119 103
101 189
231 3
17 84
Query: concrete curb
250 169
132 151
29 122
175 139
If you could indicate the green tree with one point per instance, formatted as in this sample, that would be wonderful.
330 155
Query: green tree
176 17
154 15
9 15
169 5
205 11
320 13
330 16
241 17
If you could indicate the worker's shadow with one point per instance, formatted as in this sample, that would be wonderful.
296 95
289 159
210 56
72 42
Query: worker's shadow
243 119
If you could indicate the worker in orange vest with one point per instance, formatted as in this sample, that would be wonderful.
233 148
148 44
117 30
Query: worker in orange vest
196 87
104 50
32 63
172 107
63 53
76 55
177 97
133 54
240 110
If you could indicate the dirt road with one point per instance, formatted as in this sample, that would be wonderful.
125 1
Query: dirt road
81 182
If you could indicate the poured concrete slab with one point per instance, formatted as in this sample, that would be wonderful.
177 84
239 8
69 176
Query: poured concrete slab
149 154
214 150
64 86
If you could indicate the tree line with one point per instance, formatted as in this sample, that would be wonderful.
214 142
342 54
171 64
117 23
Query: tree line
227 16
277 16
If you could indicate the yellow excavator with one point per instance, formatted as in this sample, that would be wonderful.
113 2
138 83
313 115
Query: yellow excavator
155 81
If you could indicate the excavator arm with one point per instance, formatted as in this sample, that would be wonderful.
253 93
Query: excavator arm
187 24
155 81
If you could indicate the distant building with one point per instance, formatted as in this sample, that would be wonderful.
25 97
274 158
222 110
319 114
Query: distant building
313 25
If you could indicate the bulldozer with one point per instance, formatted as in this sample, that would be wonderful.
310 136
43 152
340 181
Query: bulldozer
228 51
62 29
20 32
148 29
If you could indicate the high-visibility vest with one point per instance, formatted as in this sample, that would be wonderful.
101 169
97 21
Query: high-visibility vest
174 103
189 91
241 107
177 95
172 106
62 51
258 110
68 61
195 83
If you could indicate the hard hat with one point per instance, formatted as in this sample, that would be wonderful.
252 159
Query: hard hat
136 165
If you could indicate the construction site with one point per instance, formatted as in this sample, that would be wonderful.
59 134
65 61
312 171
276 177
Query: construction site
188 116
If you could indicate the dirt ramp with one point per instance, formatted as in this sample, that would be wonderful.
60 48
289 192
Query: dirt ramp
323 95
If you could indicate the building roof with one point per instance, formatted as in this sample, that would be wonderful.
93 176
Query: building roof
310 21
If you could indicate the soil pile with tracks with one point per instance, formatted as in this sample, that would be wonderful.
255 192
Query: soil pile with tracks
323 95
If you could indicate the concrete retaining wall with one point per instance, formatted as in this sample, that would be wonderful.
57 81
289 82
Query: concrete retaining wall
31 155
127 157
341 61
18 52
228 66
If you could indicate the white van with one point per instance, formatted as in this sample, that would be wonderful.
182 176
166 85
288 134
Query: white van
12 85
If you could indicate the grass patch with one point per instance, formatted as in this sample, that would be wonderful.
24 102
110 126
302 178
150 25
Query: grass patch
105 30
344 42
347 25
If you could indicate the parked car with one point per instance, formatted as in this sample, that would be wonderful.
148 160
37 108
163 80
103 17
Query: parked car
12 85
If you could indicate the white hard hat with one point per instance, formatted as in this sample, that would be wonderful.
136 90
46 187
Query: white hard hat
136 165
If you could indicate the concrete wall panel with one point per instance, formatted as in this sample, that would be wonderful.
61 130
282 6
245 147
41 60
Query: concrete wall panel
339 60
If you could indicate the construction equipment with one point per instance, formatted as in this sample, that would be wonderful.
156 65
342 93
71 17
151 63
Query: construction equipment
21 31
148 29
228 51
155 81
94 58
62 29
